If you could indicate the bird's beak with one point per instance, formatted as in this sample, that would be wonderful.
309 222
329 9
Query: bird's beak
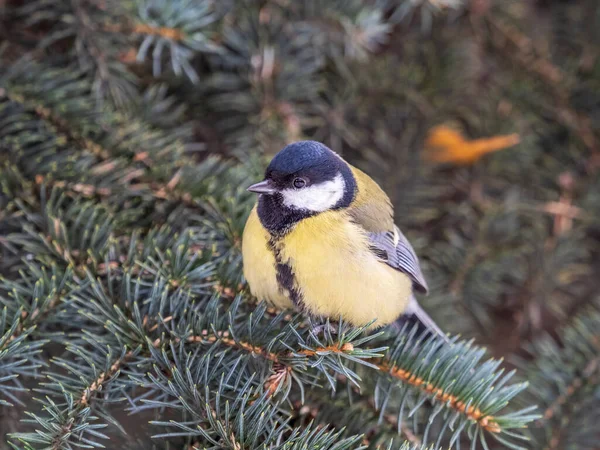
264 187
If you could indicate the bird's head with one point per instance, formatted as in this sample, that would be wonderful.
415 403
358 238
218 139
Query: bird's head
304 179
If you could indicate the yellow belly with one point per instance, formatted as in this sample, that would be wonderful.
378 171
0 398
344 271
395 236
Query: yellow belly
259 264
335 272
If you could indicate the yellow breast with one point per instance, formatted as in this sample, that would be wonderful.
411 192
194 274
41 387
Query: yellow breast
334 270
259 264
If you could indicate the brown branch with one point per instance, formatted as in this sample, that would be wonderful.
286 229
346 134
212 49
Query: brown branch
224 338
163 191
591 374
391 419
524 53
86 30
486 421
57 122
280 374
86 397
527 55
66 132
26 320
575 385
345 348
557 432
172 34
87 190
84 400
17 332
561 209
282 369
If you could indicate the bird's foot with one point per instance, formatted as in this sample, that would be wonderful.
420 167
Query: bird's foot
325 328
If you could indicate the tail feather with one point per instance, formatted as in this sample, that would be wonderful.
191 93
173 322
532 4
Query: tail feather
414 309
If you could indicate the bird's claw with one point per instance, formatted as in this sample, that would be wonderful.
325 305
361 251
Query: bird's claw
324 328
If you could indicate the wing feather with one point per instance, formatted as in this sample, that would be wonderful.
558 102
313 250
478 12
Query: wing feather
373 211
395 250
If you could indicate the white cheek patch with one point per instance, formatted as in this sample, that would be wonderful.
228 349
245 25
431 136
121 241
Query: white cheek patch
318 197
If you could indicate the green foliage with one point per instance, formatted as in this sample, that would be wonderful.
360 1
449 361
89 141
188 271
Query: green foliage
190 19
565 380
128 133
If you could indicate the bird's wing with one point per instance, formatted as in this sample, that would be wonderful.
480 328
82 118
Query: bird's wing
393 248
371 208
373 211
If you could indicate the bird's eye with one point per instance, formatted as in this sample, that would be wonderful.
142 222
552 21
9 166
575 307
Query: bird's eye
299 183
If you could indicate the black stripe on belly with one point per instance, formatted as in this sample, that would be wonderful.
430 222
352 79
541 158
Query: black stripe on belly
287 281
285 276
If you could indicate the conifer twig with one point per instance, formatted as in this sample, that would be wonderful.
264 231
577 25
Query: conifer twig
27 320
590 376
473 413
87 394
555 78
141 28
391 419
61 125
224 338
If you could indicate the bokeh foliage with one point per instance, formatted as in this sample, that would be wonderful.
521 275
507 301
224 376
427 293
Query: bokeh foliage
128 133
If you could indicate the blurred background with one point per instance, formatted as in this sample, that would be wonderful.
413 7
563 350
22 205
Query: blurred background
480 119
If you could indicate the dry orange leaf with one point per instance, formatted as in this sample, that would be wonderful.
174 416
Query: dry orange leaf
444 144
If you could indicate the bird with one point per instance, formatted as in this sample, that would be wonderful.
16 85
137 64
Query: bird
321 239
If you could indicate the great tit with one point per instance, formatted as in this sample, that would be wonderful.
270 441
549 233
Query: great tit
322 239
